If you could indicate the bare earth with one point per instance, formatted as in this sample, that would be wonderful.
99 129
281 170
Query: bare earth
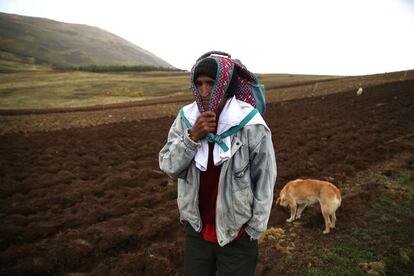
92 199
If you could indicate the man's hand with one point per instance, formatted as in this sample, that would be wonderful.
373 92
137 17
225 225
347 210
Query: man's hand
204 124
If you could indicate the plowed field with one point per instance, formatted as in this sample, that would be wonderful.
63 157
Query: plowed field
92 199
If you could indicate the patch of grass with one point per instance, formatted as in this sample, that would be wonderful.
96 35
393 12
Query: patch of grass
343 258
51 89
405 179
400 200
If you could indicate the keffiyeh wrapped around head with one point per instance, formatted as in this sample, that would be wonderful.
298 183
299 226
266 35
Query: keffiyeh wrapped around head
231 78
207 67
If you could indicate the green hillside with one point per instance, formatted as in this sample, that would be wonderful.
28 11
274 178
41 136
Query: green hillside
46 41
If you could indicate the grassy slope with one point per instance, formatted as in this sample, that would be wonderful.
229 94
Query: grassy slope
66 44
375 243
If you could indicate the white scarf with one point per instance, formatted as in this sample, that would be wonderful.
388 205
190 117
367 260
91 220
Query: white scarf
233 113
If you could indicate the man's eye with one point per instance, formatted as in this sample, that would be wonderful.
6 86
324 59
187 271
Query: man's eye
206 83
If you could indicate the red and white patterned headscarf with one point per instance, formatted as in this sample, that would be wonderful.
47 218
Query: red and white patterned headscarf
225 70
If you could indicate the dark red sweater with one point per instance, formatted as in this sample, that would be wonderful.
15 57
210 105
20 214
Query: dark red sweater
208 196
209 189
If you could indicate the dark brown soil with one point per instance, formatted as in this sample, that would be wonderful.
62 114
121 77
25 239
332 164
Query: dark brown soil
93 200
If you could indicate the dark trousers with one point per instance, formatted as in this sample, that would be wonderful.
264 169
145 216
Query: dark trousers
205 258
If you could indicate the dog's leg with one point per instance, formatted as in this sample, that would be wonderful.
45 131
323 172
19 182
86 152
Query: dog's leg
333 221
293 209
325 214
300 210
277 201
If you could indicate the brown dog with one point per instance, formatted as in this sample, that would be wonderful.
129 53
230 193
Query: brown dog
299 193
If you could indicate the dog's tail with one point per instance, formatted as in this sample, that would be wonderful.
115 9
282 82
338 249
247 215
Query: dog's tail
338 201
339 198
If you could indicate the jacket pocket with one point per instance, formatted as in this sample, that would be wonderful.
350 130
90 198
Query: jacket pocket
241 177
239 173
242 205
185 191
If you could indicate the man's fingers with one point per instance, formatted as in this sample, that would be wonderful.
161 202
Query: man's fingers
211 119
205 123
209 125
208 114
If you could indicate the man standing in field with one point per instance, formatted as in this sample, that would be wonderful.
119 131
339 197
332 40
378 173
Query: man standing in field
225 183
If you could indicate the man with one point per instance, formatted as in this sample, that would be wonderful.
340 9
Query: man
225 184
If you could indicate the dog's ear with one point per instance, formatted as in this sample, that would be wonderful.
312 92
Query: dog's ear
277 201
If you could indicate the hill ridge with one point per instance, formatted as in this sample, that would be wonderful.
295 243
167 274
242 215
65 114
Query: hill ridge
69 44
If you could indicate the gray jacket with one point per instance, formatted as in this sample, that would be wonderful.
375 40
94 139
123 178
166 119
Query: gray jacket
247 179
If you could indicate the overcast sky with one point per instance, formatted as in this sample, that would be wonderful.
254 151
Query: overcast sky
344 37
